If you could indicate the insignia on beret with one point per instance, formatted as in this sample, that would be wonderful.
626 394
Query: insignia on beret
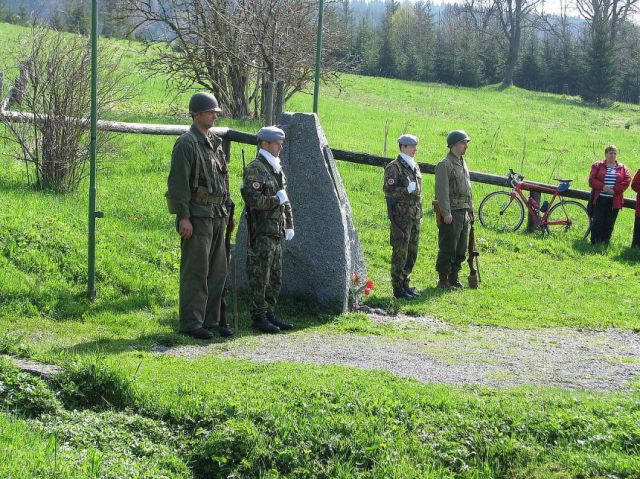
391 181
256 185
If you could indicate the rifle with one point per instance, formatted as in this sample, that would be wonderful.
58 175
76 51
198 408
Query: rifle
474 273
396 231
437 211
247 209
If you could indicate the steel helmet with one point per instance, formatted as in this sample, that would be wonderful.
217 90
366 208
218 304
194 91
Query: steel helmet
203 102
455 136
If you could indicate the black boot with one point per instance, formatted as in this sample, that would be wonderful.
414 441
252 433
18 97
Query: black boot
412 291
276 322
454 282
200 333
401 293
223 328
263 325
443 281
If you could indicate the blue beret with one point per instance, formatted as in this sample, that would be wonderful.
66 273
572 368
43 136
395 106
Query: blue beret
408 140
270 133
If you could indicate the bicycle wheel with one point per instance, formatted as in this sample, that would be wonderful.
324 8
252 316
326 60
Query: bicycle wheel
499 212
573 220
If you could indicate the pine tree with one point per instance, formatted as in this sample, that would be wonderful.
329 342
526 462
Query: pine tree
599 78
386 59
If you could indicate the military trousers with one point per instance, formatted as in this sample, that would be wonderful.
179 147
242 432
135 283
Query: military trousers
203 274
452 243
404 240
264 272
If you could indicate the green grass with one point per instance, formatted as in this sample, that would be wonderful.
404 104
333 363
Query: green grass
288 420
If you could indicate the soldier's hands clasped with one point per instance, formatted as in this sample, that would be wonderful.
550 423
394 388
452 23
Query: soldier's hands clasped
288 234
282 196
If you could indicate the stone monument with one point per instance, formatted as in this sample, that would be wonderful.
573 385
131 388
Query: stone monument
318 263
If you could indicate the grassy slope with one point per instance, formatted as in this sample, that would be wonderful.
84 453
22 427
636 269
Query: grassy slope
42 269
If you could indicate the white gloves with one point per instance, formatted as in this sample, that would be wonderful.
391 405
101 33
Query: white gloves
288 234
411 187
282 196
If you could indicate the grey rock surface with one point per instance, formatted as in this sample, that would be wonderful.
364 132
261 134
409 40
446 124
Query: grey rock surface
318 262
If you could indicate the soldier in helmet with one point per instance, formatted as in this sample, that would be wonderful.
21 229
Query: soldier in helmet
453 194
269 220
198 194
403 192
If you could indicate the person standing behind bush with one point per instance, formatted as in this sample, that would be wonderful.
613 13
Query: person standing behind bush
635 186
608 179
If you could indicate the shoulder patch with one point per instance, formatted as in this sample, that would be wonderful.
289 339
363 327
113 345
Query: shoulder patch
391 181
255 185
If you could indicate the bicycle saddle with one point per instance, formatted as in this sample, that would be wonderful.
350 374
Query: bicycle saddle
563 181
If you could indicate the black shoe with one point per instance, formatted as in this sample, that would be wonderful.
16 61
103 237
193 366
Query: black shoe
265 326
200 333
454 282
225 331
276 322
412 291
402 294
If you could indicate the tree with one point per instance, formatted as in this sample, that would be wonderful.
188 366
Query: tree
230 47
599 79
515 16
387 58
56 92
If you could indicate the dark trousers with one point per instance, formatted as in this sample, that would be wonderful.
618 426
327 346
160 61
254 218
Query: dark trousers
203 274
603 220
636 233
452 243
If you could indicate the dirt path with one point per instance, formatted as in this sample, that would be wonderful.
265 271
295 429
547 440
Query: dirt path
555 357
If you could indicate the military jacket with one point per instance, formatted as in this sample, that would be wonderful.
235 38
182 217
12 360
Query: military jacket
400 203
198 183
453 185
259 187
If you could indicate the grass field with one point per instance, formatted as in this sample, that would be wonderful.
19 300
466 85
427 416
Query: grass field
208 417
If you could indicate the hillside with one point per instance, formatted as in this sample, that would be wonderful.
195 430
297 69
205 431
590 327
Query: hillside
123 409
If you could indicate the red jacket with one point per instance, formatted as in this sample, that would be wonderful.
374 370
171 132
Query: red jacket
596 181
635 186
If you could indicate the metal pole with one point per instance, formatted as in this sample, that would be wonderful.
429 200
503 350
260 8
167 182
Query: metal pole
316 86
91 288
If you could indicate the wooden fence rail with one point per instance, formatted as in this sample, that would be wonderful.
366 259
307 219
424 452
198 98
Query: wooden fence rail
230 135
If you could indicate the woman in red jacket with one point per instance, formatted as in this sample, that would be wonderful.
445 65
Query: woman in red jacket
609 179
635 185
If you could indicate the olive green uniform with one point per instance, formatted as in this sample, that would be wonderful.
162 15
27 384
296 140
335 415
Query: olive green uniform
198 189
404 210
267 220
453 192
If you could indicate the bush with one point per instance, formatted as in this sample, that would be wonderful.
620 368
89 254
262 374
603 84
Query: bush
25 395
94 385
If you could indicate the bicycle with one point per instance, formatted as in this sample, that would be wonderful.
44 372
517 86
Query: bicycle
504 210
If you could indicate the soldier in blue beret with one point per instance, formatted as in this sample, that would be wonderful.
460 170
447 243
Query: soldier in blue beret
269 220
403 192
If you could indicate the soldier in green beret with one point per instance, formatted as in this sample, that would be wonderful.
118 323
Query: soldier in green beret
403 192
198 194
455 201
269 220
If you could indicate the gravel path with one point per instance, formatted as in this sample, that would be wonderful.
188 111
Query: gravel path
499 357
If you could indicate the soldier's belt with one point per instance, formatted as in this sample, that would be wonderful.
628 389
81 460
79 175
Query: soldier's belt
199 198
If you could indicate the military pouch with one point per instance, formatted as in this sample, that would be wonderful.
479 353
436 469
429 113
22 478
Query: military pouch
201 196
436 210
